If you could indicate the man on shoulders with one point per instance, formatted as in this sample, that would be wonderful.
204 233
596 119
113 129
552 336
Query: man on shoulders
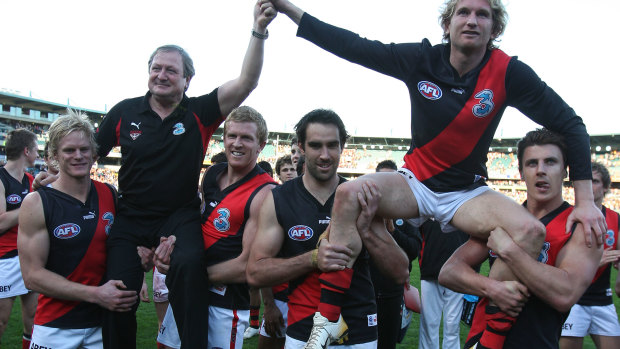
233 193
458 92
163 138
550 284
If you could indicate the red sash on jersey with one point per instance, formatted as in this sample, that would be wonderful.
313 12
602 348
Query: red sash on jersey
91 269
458 139
610 240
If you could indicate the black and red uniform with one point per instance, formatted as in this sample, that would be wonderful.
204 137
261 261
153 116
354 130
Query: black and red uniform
77 233
160 170
303 220
225 214
14 193
454 118
599 292
538 325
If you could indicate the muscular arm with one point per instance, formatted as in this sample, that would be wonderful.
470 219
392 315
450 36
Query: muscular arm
458 274
561 285
264 268
7 219
33 244
231 94
233 270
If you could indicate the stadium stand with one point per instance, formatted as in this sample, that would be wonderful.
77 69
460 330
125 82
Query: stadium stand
360 156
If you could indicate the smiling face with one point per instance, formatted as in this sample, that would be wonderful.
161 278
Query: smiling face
74 155
471 26
166 79
543 172
322 151
242 145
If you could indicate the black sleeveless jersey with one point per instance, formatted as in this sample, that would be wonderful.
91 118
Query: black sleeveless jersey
78 233
14 193
303 220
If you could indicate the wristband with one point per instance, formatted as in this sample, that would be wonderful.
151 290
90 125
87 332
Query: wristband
314 258
259 35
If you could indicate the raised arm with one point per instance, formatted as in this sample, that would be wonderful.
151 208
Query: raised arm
233 270
33 245
289 9
231 94
561 285
458 274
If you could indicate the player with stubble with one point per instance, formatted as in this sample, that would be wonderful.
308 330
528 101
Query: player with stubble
293 218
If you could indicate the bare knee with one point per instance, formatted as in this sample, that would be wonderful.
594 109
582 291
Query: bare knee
531 235
346 197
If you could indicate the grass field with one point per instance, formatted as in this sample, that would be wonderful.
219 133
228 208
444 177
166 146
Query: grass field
147 323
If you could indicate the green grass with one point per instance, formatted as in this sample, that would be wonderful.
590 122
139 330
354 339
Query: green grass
147 323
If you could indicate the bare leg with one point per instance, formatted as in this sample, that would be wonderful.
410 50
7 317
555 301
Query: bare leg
397 201
606 342
29 307
6 304
571 343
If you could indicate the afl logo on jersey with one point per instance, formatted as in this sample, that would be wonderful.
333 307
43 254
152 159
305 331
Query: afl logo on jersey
13 199
67 231
300 233
429 90
179 129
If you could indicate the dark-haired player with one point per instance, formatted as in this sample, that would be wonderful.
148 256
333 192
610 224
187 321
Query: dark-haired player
549 284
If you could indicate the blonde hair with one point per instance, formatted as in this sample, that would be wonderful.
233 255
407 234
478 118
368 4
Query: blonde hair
248 114
72 121
498 14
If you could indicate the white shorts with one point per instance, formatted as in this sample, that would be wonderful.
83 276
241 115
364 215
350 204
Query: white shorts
292 343
66 338
11 282
441 206
160 291
597 320
226 328
283 307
